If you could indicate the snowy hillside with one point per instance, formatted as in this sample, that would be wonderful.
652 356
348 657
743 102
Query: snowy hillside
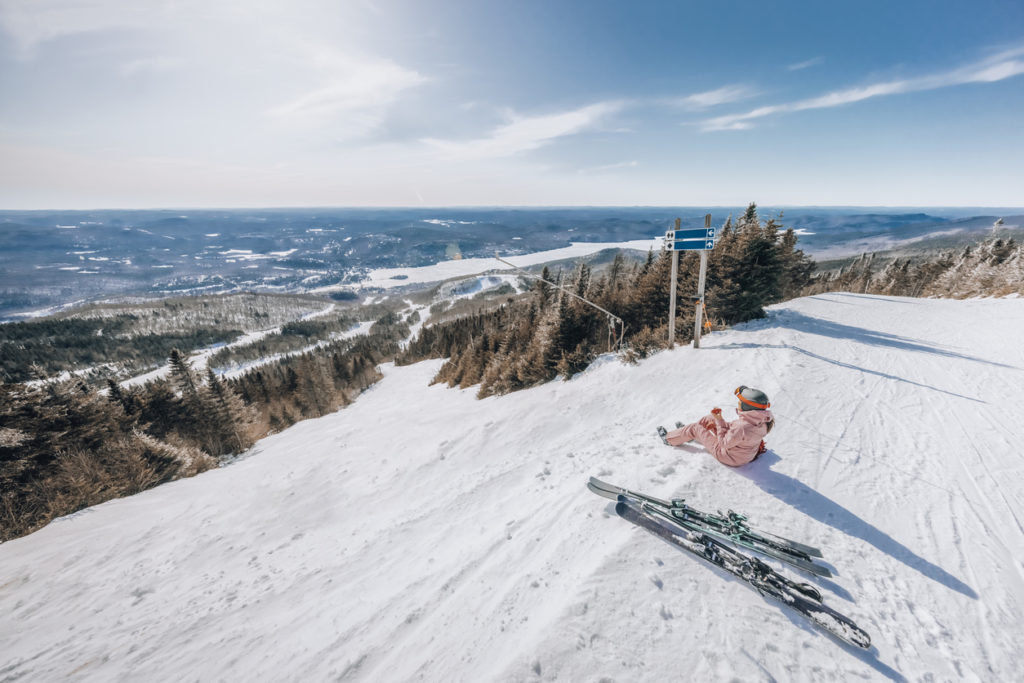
422 534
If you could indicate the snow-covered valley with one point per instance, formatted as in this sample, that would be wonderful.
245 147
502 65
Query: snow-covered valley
422 534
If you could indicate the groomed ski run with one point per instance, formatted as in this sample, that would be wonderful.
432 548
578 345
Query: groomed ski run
424 535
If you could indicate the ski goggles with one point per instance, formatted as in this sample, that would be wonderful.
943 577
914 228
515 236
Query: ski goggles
747 401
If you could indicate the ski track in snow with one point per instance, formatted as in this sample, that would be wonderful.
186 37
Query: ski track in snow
424 535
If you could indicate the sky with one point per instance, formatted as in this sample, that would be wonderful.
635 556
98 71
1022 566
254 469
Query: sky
259 103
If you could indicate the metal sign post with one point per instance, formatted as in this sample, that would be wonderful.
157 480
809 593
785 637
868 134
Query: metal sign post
699 313
677 240
672 290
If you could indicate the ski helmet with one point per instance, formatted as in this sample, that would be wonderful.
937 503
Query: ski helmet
752 399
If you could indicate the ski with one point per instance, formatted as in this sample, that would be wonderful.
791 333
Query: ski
730 524
749 569
730 529
675 516
611 491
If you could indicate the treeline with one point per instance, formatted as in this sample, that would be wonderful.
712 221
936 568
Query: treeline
995 267
315 383
244 310
120 340
533 340
292 336
40 349
66 445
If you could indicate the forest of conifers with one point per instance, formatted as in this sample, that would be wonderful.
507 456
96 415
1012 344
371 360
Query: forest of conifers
536 338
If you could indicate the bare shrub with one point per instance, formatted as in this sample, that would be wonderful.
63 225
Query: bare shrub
189 459
82 478
644 343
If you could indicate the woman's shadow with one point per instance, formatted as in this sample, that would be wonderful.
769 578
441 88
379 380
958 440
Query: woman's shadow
808 501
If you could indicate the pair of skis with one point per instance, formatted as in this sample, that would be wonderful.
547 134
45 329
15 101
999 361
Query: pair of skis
648 512
731 527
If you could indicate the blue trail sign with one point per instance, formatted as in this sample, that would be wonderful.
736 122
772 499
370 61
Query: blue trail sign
697 233
690 240
693 245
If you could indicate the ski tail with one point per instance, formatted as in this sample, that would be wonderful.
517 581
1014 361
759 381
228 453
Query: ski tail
762 578
808 549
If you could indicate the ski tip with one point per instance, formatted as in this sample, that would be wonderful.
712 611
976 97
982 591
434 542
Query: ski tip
815 568
604 493
811 568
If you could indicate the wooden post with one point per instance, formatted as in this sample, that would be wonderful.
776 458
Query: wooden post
699 313
672 294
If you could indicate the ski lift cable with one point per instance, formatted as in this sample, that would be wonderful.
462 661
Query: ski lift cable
611 316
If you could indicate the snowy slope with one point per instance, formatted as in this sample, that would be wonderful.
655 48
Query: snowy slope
422 534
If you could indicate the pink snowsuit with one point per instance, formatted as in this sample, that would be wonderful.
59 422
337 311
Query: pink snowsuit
732 443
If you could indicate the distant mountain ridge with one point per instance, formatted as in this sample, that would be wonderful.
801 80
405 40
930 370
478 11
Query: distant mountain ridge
51 259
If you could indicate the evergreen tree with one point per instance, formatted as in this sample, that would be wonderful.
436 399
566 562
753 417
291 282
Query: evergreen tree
228 413
748 269
649 303
796 267
183 375
126 399
543 290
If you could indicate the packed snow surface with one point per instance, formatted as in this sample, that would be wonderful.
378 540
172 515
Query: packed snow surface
422 534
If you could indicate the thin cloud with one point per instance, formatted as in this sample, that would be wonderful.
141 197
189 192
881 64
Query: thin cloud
305 79
29 24
526 133
999 67
349 85
714 98
800 66
151 65
610 167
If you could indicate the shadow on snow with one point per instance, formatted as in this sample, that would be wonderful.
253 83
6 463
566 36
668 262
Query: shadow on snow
827 328
808 501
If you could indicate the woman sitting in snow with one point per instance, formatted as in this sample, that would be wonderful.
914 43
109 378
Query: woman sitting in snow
732 443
